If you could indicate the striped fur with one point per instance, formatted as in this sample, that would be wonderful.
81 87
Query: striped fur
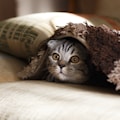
67 61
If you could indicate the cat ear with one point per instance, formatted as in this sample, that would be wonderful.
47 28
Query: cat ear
52 43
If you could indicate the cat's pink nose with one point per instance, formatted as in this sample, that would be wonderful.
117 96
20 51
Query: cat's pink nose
61 64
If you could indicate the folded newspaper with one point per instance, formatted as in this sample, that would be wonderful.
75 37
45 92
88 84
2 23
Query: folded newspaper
27 36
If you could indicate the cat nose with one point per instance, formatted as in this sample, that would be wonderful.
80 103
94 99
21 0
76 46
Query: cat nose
61 64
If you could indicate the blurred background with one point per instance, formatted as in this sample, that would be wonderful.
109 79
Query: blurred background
13 8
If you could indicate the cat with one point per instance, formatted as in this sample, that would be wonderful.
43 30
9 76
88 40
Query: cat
67 61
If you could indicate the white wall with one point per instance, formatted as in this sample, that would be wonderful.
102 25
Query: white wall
33 6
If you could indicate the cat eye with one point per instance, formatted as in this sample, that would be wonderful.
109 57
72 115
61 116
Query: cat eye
55 56
74 59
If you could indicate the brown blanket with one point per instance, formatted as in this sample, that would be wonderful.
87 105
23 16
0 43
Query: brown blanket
104 47
102 43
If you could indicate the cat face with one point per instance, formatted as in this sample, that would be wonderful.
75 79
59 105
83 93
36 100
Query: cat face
66 61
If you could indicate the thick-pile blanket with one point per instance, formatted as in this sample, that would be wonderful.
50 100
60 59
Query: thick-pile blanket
102 43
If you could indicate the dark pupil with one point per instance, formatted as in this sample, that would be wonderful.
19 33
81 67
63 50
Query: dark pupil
55 56
74 59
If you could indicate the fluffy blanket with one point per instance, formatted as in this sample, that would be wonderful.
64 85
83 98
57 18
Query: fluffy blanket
102 43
